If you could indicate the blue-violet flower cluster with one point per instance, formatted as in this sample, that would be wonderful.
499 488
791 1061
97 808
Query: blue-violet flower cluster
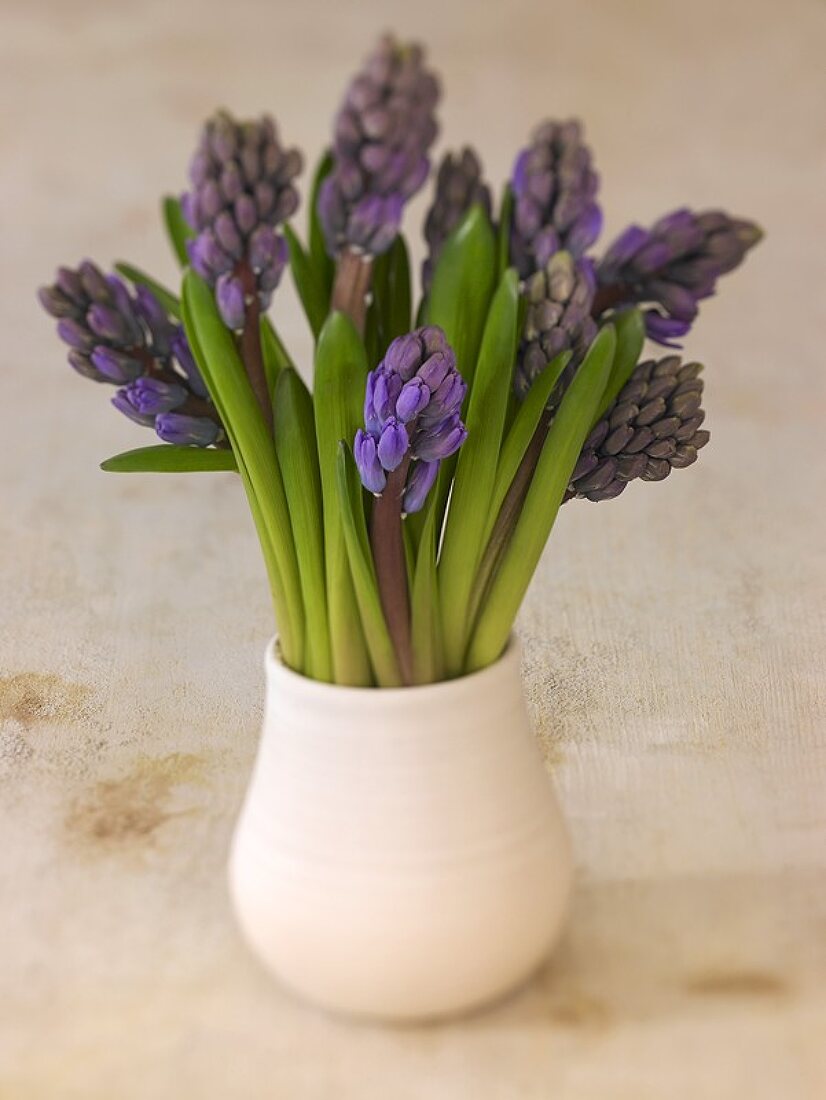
554 189
673 265
242 188
128 340
412 415
381 137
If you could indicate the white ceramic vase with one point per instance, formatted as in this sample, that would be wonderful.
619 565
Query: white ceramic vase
400 854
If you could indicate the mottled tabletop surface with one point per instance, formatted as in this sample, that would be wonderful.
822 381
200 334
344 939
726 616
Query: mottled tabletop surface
674 639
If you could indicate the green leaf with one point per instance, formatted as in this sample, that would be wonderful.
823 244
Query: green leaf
223 372
167 458
559 455
630 329
362 570
168 300
177 228
391 293
277 588
276 356
340 379
460 294
425 615
314 297
463 284
295 446
521 431
321 260
470 503
517 441
503 235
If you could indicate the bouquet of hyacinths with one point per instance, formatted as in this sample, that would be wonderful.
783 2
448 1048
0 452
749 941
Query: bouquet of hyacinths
403 501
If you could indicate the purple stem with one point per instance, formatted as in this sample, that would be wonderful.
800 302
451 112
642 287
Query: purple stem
351 286
251 351
391 566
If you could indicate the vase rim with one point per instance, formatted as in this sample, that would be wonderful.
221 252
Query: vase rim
275 665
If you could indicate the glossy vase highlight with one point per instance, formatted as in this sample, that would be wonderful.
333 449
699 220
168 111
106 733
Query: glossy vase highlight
400 853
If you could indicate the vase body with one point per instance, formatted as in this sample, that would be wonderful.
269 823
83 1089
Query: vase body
400 853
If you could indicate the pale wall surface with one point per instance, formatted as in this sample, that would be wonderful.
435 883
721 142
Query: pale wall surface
675 638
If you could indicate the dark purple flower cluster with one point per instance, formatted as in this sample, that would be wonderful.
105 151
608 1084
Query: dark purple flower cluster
554 188
673 266
459 185
242 188
653 427
382 134
558 318
128 340
411 415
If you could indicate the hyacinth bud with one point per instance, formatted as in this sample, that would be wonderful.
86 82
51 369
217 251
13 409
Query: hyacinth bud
151 396
459 186
558 318
412 414
242 187
554 189
419 483
653 427
673 266
126 338
192 431
101 322
186 360
381 137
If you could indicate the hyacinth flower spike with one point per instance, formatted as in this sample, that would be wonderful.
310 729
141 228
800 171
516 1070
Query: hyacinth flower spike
382 133
242 190
126 338
459 186
554 191
671 267
654 426
411 422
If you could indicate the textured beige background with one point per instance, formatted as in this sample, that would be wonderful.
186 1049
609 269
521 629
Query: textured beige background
675 638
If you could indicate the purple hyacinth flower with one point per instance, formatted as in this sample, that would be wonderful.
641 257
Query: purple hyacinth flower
404 356
444 440
75 334
151 396
554 190
419 483
435 370
242 189
412 400
665 330
672 266
446 399
183 354
123 404
393 443
156 319
116 366
558 317
406 421
229 297
370 469
195 431
125 337
382 135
